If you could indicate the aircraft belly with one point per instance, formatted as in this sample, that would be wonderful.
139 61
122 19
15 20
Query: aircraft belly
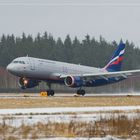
102 82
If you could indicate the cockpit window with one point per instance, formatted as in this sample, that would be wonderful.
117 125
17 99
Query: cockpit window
21 62
15 61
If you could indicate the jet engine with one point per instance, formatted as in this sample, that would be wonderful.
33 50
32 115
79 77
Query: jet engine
27 83
73 81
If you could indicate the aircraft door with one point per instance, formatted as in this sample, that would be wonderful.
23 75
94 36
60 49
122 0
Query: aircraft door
32 64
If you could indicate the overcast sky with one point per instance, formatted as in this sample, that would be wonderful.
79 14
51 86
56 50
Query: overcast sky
113 19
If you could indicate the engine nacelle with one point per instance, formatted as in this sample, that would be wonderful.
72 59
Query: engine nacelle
27 83
73 81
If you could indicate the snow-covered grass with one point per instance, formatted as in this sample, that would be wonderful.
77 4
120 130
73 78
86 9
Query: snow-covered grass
31 119
68 110
118 126
83 138
70 122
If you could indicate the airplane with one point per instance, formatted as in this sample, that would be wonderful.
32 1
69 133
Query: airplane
31 71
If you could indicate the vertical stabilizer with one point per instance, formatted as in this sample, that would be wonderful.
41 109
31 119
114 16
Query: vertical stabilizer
116 61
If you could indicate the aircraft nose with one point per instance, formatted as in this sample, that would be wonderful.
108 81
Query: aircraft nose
14 69
9 68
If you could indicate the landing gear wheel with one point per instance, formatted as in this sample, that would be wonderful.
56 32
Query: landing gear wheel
50 92
81 92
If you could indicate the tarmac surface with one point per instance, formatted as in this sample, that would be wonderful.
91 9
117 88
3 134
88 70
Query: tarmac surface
22 95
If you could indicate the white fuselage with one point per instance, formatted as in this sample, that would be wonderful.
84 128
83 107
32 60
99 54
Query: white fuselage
43 69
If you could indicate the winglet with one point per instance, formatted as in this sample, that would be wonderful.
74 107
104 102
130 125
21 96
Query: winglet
116 60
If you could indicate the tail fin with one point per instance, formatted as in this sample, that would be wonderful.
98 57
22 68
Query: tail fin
116 60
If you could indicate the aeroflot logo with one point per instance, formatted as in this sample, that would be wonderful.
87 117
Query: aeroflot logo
117 59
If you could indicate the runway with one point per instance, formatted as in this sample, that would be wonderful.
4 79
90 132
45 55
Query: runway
34 95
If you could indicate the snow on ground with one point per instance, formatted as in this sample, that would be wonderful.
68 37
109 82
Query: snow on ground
67 110
17 120
15 117
104 138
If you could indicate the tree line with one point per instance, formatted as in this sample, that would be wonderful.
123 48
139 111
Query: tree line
88 51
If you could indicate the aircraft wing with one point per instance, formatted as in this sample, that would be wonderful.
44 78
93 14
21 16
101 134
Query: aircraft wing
106 75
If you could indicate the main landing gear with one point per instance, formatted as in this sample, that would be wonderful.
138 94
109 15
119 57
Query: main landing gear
50 92
81 92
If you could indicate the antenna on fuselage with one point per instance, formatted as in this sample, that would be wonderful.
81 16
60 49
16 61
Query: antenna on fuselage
27 55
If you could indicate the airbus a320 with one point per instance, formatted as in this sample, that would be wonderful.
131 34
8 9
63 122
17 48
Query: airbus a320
31 71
